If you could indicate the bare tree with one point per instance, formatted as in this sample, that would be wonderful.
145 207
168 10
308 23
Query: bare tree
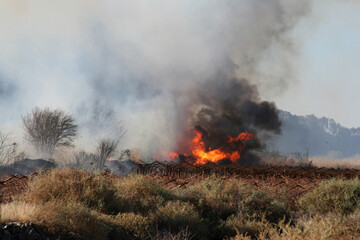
7 147
9 150
105 148
49 129
82 157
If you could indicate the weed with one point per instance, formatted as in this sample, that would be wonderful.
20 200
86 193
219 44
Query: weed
141 194
176 216
71 185
336 195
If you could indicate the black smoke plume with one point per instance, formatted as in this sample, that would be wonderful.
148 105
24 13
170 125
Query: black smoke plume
229 107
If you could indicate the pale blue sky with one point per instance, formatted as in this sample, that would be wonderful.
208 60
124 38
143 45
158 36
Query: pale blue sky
329 64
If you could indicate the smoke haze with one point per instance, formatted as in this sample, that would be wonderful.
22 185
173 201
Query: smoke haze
153 65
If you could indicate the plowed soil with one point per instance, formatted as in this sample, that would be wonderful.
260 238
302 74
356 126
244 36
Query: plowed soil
294 181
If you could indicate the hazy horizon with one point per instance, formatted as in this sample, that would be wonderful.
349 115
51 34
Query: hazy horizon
144 63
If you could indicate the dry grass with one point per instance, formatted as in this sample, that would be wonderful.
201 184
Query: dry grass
240 226
215 197
334 160
140 194
68 220
182 235
19 211
70 185
329 227
261 204
132 226
71 220
73 204
338 196
176 216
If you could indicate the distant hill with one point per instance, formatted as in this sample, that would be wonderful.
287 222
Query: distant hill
320 136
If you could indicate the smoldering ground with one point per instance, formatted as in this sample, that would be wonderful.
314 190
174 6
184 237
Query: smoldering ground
156 66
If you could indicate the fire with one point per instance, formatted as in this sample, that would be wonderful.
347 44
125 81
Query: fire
204 155
245 136
173 156
166 156
111 159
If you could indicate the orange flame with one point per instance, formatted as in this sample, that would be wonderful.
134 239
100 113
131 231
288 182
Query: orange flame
111 159
245 136
203 156
173 156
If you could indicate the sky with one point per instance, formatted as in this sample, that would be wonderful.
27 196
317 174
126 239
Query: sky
139 62
328 74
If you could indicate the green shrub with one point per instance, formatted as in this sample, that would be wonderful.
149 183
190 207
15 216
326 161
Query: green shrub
338 196
67 184
176 216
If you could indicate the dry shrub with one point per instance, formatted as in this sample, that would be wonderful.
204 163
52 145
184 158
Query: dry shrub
176 216
215 197
65 220
142 194
259 210
70 220
74 204
241 237
132 226
261 204
331 226
237 225
182 235
335 195
71 185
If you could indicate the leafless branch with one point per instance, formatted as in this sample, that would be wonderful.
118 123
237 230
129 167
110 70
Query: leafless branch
48 129
82 157
7 149
105 148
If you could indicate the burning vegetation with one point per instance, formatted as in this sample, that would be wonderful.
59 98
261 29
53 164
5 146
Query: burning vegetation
232 151
223 122
219 125
201 154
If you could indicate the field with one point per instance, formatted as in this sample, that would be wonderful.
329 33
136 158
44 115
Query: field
293 181
185 201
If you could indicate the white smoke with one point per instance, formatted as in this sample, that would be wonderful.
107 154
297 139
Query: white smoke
136 61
